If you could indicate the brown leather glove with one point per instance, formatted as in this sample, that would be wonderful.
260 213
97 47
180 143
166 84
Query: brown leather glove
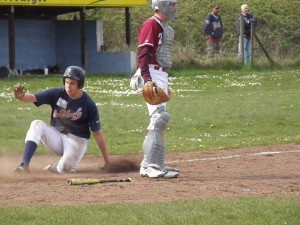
153 94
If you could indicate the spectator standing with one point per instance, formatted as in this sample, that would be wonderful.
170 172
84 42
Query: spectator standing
247 20
213 31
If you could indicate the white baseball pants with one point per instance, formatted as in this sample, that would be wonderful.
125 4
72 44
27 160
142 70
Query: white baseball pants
72 148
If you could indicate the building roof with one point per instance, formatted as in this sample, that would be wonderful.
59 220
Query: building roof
27 12
39 9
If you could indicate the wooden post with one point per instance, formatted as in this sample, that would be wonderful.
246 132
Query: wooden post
241 46
127 26
83 37
264 50
251 47
11 39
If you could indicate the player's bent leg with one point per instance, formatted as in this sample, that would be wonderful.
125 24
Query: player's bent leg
32 140
74 150
50 137
36 131
68 164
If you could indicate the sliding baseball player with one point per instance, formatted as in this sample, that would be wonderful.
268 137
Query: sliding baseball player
74 116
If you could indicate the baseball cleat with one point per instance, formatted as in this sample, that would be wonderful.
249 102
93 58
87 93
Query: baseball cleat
21 169
169 168
151 172
51 168
170 174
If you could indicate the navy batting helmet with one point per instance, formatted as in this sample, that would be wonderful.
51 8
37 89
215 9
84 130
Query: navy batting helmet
75 73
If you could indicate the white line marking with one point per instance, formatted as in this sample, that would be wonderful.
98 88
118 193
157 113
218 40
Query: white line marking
233 156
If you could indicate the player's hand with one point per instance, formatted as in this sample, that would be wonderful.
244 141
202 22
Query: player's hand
19 91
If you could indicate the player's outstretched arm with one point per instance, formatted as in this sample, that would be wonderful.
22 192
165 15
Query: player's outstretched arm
21 95
101 144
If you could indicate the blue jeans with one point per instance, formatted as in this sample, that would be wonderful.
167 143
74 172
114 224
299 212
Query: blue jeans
247 49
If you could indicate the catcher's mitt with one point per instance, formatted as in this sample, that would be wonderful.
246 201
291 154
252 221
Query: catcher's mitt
19 91
153 94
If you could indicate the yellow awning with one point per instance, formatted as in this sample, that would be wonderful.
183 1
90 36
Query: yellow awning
76 3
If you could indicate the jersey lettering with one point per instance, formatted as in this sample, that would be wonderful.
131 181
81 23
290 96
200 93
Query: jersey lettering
160 38
216 25
66 114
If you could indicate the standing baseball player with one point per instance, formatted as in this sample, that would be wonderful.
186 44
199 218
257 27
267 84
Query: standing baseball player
155 40
73 115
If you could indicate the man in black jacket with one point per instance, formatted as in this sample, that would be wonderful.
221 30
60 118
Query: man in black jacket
213 31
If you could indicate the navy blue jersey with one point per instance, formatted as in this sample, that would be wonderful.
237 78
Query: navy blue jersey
76 116
213 26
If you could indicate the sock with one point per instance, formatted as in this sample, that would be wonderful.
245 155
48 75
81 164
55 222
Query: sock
29 150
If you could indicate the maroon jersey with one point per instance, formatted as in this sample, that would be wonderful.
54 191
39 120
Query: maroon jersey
149 38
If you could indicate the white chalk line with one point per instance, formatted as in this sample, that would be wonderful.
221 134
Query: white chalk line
233 156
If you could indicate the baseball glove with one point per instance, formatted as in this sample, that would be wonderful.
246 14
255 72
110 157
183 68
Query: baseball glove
153 94
19 91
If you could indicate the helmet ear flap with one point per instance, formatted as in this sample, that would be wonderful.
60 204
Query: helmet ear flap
80 84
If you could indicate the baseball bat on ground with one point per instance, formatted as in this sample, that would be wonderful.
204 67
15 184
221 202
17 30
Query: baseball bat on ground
82 181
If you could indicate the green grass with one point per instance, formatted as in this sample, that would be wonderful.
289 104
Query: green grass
209 110
252 211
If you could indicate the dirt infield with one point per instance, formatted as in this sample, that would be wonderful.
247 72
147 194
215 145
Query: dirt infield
272 171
